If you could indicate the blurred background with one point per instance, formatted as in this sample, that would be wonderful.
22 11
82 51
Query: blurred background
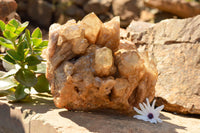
42 13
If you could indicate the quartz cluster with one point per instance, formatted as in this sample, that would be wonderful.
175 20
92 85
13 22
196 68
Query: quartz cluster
89 68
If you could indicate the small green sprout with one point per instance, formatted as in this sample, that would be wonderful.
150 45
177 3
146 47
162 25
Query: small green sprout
25 66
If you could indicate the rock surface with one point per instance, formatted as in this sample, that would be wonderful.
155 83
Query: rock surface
11 119
175 44
89 68
181 8
138 26
41 116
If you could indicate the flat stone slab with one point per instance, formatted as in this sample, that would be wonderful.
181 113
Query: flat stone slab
41 116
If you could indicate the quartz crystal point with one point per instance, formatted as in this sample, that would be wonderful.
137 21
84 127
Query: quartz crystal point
89 68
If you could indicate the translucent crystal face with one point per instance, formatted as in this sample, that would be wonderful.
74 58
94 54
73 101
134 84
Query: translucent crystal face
150 116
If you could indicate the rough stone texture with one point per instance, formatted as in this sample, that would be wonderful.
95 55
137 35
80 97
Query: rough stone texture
175 44
11 119
126 9
103 73
40 11
138 26
180 8
8 10
41 116
97 6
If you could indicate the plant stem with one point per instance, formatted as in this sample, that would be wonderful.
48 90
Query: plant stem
15 46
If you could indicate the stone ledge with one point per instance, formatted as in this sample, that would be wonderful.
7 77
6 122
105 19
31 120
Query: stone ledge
41 116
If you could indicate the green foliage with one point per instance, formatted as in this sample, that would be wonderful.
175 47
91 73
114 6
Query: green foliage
24 50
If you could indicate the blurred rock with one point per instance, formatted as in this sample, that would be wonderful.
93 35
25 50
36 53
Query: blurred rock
41 12
8 10
162 15
7 7
181 8
66 10
127 10
146 16
107 74
175 44
60 11
13 15
11 120
106 16
80 2
74 12
97 6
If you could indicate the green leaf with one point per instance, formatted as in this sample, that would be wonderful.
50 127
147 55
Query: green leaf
27 34
41 68
10 35
24 44
5 92
12 98
42 45
2 25
21 38
37 33
7 83
21 28
6 43
19 93
36 41
20 50
26 77
25 24
38 49
34 68
14 55
10 73
42 84
10 27
14 23
32 60
26 52
8 66
9 59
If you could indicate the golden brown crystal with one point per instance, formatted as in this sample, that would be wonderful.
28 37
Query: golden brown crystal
89 68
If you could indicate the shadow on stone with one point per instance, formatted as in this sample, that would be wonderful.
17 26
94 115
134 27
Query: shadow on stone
98 122
40 103
10 120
